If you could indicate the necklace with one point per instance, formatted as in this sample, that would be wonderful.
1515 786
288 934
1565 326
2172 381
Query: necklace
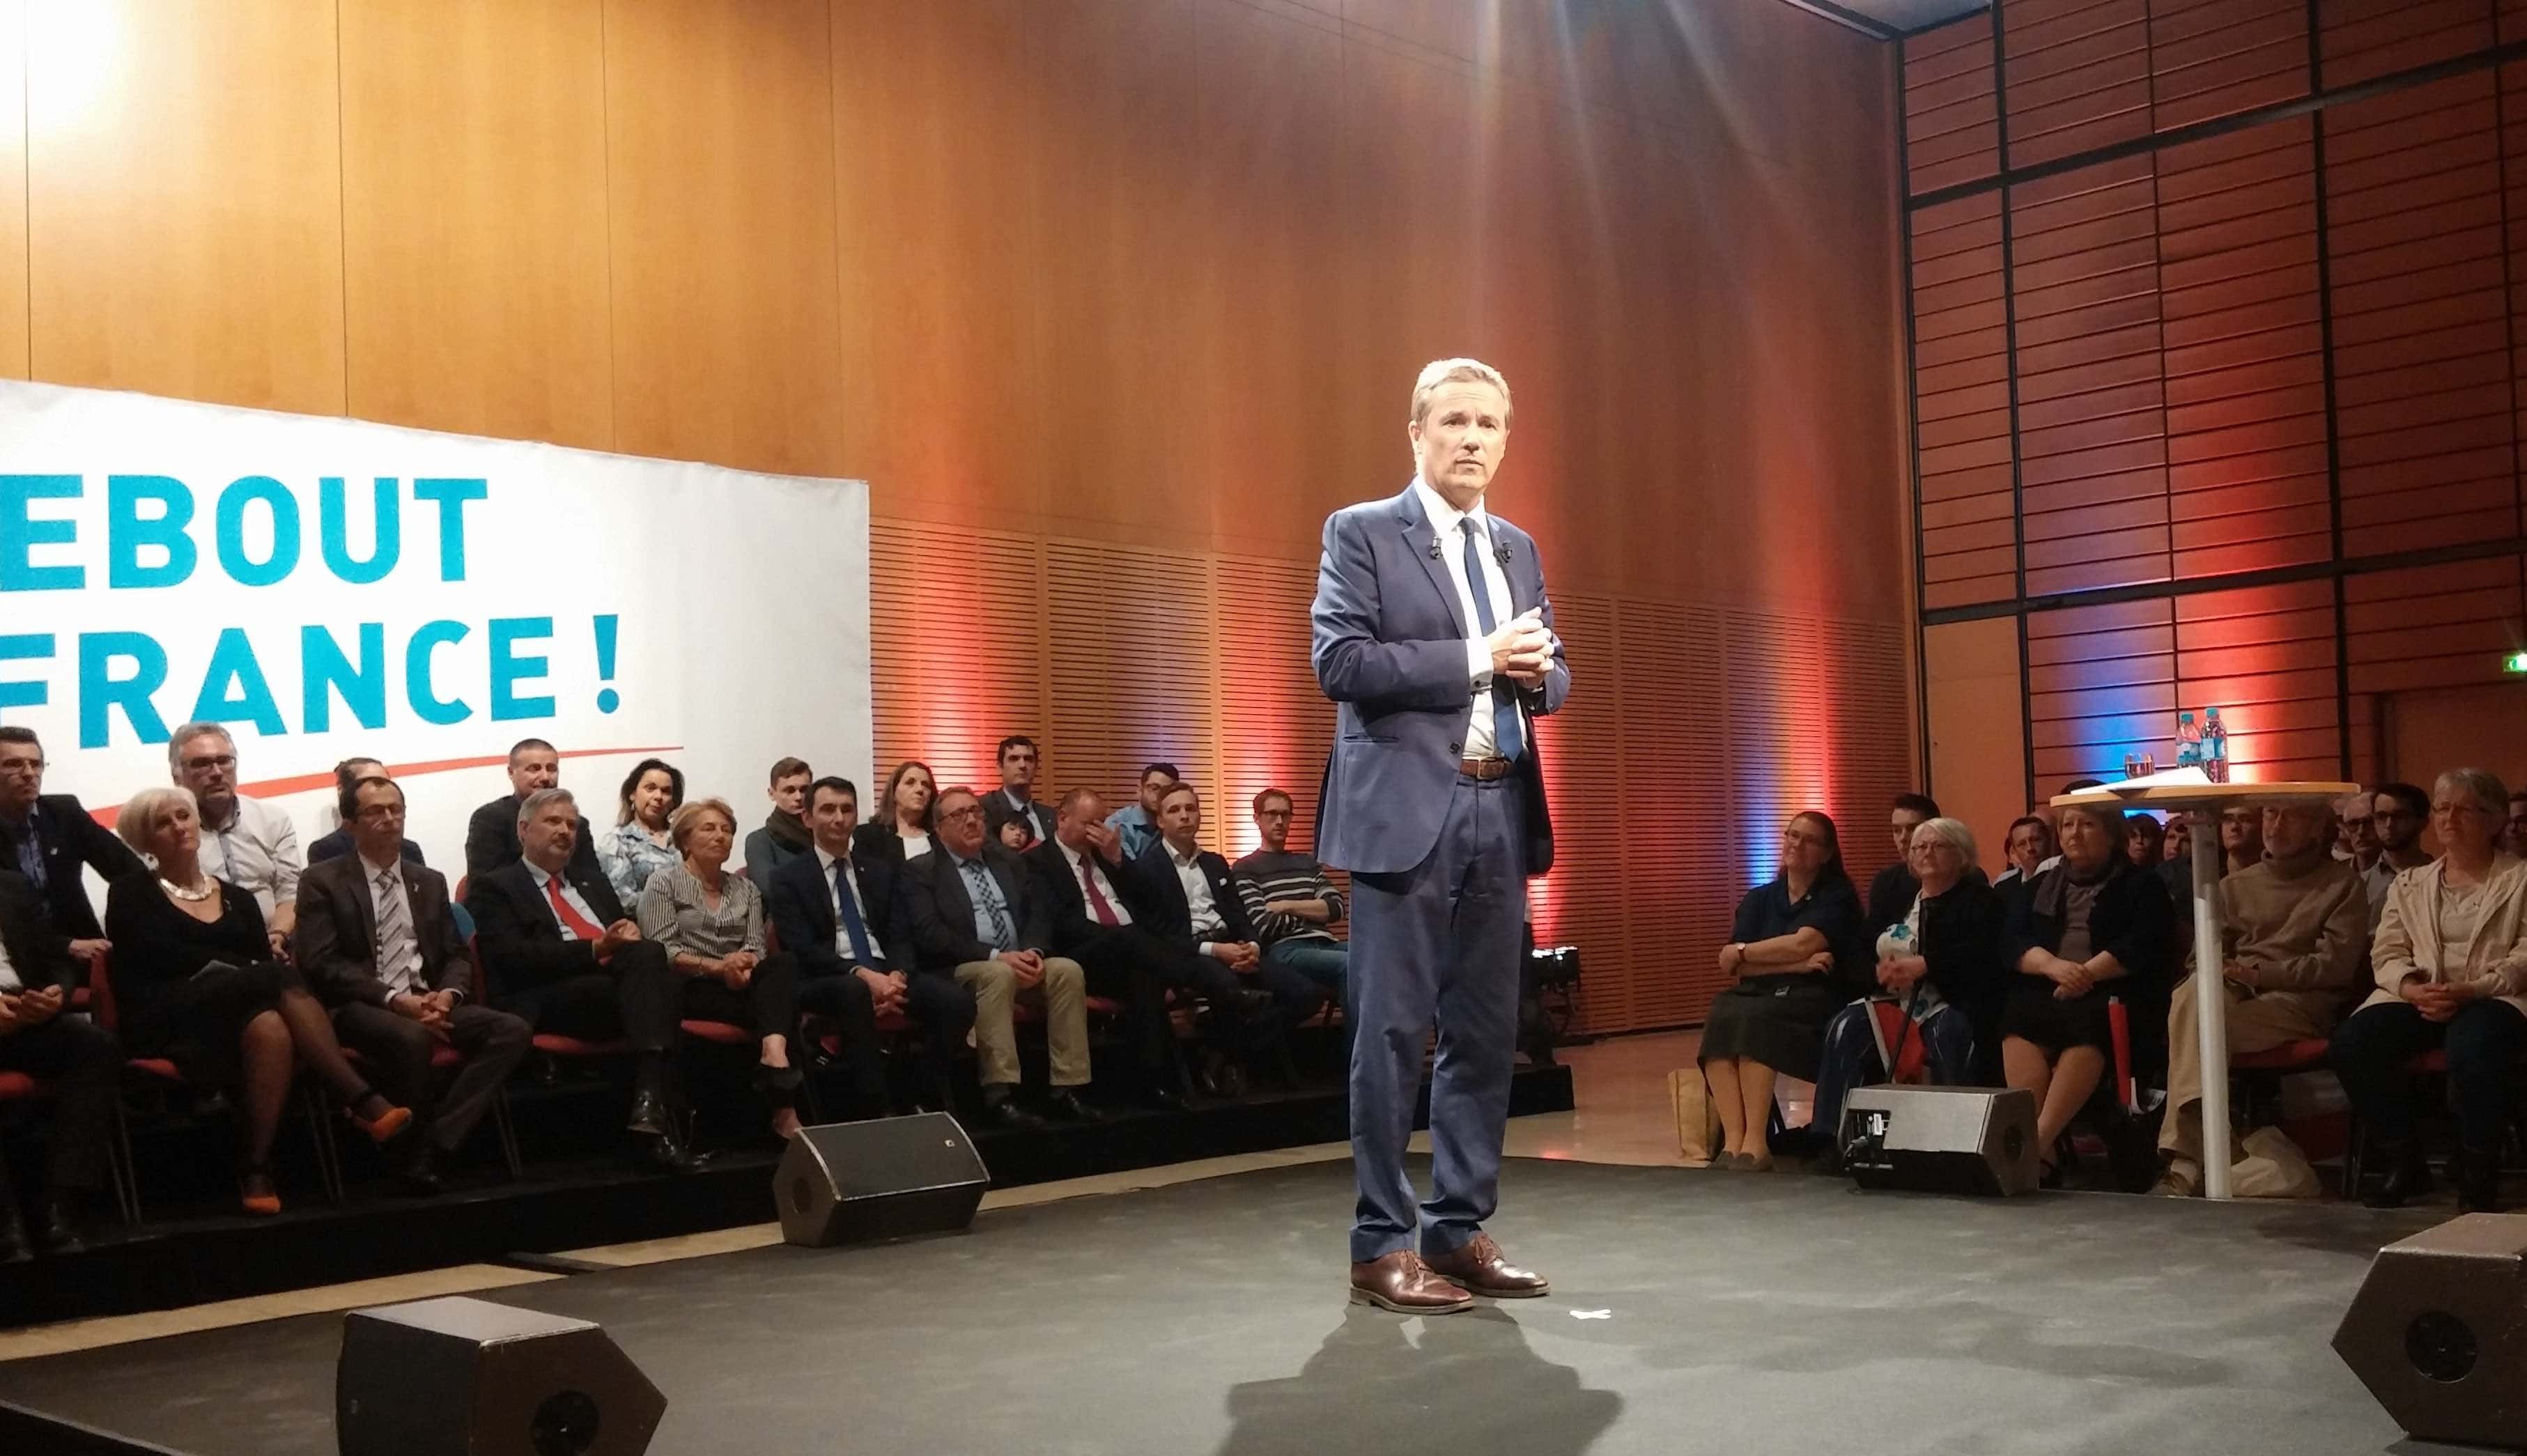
198 891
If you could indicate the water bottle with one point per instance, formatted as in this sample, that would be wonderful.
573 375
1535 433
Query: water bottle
2189 742
2215 747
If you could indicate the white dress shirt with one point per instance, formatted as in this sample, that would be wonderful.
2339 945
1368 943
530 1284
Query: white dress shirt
570 897
1086 864
257 850
9 973
1444 517
825 862
398 961
1205 915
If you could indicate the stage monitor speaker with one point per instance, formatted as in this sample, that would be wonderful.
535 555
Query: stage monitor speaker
465 1376
846 1182
2439 1332
1940 1139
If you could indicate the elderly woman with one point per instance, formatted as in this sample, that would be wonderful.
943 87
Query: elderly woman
638 846
710 923
1785 949
195 982
900 828
2450 954
2092 928
1940 964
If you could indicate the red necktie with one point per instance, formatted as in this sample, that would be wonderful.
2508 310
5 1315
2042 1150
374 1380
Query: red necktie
1095 897
571 921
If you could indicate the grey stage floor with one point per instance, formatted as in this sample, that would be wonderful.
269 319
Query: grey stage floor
1691 1312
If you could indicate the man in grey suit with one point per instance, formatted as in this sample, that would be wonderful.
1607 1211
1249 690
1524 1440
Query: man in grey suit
378 944
1433 637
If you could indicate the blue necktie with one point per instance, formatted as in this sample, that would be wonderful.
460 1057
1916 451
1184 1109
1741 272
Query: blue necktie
861 955
1504 736
979 884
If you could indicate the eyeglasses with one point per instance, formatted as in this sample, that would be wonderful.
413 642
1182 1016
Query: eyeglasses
213 760
969 811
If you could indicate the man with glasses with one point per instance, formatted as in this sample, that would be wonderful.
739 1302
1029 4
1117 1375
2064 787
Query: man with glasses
244 841
2513 838
2398 813
49 839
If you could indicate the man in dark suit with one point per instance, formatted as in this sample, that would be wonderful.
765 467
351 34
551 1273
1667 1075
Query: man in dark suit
491 835
81 1061
558 951
1434 639
1892 890
49 839
377 945
1194 901
832 907
336 842
973 912
1021 762
1099 920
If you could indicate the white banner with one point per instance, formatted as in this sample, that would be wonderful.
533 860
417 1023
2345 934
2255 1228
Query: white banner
328 588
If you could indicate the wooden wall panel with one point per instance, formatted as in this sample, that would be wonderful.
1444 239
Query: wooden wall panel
1141 634
1675 860
2102 683
1976 755
953 672
720 157
1961 380
473 221
1594 898
2077 74
2363 39
185 201
1951 106
13 190
2265 656
2214 58
1276 728
2425 628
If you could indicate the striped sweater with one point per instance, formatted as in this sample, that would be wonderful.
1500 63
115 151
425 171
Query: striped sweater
1266 876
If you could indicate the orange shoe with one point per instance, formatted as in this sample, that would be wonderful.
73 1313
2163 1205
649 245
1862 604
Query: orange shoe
255 1193
385 1125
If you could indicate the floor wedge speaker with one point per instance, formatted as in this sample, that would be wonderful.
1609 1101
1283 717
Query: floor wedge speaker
2439 1332
465 1376
846 1182
1940 1139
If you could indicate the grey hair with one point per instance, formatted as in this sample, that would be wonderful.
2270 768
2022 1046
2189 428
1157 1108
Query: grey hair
147 809
2107 815
1949 831
2478 785
1453 371
186 733
534 804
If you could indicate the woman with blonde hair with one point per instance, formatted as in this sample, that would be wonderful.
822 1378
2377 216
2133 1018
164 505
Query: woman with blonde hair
710 922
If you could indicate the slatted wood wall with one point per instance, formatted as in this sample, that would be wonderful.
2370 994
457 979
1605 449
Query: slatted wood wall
2218 313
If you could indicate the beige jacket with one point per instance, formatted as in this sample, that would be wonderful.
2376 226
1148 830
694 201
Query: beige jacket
2407 939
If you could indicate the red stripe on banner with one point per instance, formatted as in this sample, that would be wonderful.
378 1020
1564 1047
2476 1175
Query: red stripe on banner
301 783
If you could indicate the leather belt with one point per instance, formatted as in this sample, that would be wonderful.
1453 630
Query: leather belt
1485 769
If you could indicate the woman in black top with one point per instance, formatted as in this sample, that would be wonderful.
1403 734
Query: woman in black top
1786 949
2094 928
900 828
194 983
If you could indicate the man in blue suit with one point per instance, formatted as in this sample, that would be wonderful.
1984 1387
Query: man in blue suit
1433 637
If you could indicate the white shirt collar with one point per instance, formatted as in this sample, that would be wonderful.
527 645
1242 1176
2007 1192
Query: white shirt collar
541 875
1185 860
1444 517
372 870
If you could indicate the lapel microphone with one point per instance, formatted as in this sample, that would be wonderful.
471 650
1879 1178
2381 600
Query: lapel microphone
1434 550
1500 553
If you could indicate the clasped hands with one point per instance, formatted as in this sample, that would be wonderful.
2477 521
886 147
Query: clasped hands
1897 976
1733 961
1029 965
1237 955
2438 1000
2070 980
1521 648
885 987
26 1011
431 1009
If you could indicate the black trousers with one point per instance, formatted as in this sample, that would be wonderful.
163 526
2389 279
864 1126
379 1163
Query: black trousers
636 996
2483 1041
768 1005
942 1009
1127 964
398 1050
83 1063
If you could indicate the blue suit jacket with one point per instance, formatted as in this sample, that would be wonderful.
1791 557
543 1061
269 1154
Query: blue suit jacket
1391 653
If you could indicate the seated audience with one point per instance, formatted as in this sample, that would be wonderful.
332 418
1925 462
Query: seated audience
2242 848
2398 815
492 836
2144 842
2357 839
195 982
901 829
2513 837
2030 845
973 912
51 840
2449 957
1194 901
245 842
336 842
2094 928
833 909
1289 900
785 835
559 951
1016 836
82 1062
1020 760
1891 891
712 924
1784 953
2295 925
379 945
1138 822
1940 961
639 845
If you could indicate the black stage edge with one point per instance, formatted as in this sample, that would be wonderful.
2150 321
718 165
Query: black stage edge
577 1203
1691 1311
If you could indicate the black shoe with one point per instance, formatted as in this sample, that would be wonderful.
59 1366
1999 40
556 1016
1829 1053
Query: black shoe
417 1177
14 1248
1159 1097
2478 1182
57 1228
1250 1004
2409 1176
777 1081
666 1152
1003 1113
650 1114
1065 1106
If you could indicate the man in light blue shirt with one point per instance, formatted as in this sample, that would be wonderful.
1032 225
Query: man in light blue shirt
1138 823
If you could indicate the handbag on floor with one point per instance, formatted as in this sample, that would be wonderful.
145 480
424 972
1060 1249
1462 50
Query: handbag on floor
2270 1166
1697 1119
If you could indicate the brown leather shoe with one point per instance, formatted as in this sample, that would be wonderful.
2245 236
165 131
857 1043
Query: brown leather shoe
1480 1269
1403 1283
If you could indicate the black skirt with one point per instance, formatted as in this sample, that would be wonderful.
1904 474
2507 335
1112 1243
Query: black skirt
197 1022
2033 1013
1778 1021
